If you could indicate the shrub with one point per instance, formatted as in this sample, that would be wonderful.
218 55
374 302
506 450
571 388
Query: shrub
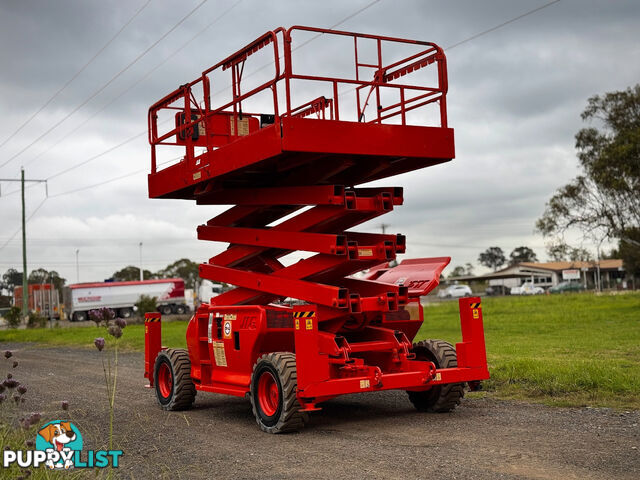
36 320
13 316
146 304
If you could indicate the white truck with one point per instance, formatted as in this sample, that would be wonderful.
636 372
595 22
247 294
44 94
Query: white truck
121 297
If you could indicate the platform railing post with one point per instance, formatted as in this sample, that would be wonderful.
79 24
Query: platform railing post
471 351
152 343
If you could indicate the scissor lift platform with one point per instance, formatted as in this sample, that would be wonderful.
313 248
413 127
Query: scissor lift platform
307 151
293 167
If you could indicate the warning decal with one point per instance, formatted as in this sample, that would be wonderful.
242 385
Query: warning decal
475 305
304 314
218 354
227 329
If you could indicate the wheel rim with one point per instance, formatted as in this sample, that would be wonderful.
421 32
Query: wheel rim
268 394
165 380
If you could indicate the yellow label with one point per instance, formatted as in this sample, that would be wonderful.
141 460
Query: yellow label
365 384
365 252
475 313
146 329
218 354
309 322
297 324
243 126
438 377
230 316
197 175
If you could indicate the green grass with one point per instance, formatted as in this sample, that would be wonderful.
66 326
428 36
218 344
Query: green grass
570 350
173 334
576 350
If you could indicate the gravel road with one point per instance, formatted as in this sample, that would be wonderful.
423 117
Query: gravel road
371 436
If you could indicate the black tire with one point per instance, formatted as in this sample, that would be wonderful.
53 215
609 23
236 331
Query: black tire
165 309
181 309
80 317
179 392
440 398
286 415
125 313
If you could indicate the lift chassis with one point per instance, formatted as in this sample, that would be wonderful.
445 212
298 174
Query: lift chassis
289 152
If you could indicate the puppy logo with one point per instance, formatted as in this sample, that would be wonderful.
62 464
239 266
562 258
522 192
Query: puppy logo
60 440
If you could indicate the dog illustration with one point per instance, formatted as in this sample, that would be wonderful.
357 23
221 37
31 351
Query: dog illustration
58 435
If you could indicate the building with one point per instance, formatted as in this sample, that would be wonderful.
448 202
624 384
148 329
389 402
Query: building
548 274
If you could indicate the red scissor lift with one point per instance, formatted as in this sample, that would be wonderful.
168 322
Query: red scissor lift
291 169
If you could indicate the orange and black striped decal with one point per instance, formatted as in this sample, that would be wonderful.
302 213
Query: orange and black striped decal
304 314
475 305
152 319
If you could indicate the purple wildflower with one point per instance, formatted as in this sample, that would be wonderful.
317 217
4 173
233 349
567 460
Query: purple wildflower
120 322
22 389
8 354
115 331
11 383
99 343
65 405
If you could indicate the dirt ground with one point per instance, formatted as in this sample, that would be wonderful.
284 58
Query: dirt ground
370 436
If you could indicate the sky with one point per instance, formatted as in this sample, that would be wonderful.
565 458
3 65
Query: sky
515 98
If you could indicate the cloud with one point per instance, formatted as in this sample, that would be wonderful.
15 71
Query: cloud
515 97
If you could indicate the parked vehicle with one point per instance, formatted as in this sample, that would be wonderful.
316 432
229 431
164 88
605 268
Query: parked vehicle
43 299
494 290
455 291
527 288
567 286
208 290
80 298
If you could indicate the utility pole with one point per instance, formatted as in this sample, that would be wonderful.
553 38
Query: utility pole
383 227
141 271
25 291
77 266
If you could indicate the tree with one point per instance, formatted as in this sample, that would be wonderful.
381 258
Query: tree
130 273
558 251
603 202
468 269
183 268
629 252
40 276
492 257
12 278
561 252
522 254
580 255
458 271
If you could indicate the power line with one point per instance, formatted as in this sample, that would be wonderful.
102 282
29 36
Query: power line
266 65
94 94
26 221
492 29
104 182
82 69
149 73
136 83
90 159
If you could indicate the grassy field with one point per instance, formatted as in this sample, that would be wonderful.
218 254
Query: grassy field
578 350
575 350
